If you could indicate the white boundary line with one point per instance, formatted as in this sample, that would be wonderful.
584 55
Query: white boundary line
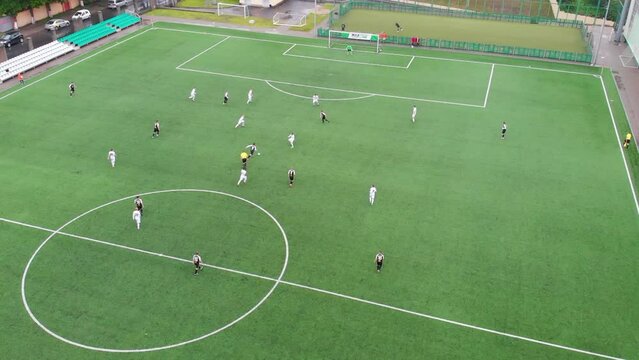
30 83
327 292
411 61
289 49
386 53
371 94
623 155
55 232
207 49
490 81
308 97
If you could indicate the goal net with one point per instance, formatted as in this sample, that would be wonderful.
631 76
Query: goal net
232 9
289 19
358 41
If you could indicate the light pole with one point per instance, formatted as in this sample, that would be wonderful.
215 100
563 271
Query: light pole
594 59
315 15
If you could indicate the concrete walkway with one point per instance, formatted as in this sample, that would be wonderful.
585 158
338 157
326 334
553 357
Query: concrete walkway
627 78
588 20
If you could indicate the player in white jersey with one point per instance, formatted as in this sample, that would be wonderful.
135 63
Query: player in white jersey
252 149
371 194
315 100
414 112
249 97
240 122
243 177
193 93
503 130
71 89
111 157
197 262
137 217
379 260
291 139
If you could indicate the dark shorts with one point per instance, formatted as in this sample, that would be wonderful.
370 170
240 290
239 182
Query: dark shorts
156 130
197 264
503 131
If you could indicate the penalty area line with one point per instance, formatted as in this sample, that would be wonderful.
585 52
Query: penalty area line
322 291
331 89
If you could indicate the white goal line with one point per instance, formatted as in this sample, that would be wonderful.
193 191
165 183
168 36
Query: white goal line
322 291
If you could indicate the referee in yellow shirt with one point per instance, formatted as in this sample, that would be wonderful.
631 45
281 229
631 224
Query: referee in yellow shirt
627 141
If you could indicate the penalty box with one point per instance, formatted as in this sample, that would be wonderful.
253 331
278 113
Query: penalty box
404 77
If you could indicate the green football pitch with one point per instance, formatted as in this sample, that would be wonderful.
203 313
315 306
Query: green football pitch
522 248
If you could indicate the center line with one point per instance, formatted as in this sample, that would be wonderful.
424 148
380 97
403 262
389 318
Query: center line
322 291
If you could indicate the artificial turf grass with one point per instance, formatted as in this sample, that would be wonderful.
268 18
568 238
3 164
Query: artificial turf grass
441 252
460 29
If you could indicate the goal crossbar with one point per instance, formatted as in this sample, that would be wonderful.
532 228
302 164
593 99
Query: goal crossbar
289 19
336 38
232 9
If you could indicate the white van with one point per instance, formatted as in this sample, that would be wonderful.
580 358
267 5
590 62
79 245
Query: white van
114 4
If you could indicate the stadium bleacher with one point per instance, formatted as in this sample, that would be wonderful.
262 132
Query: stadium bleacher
123 21
32 59
64 45
89 35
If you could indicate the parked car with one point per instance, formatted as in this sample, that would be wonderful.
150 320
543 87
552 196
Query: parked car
81 14
114 4
55 24
11 38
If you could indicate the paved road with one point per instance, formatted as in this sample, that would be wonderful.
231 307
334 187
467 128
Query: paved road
40 36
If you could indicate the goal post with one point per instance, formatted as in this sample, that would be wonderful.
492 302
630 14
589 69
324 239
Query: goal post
289 19
354 39
232 9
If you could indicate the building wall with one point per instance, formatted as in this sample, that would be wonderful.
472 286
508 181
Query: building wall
6 23
24 18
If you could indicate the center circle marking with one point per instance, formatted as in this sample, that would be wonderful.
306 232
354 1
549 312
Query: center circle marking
165 347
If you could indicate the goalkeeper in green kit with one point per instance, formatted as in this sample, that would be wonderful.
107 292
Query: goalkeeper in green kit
349 49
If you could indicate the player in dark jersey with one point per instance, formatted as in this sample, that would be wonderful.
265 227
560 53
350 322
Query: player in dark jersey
156 129
379 260
139 204
503 130
71 89
291 177
197 262
398 27
226 98
323 117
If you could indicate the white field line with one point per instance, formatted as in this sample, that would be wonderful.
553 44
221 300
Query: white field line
31 83
207 49
327 292
490 81
308 97
289 49
331 89
623 155
388 53
410 62
346 61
